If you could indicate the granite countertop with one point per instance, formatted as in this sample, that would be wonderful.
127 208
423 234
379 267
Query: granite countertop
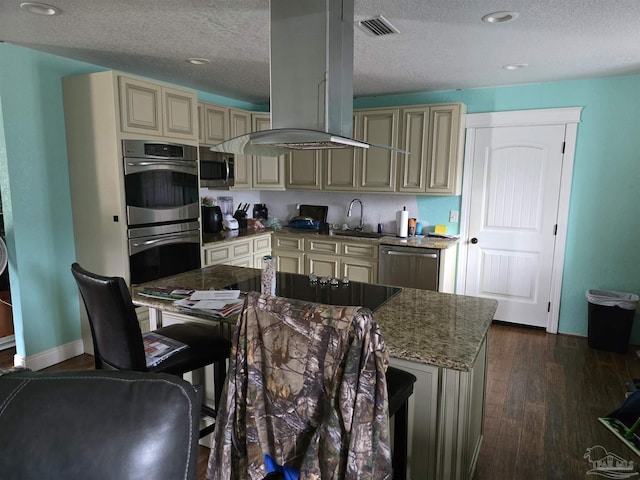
417 241
423 326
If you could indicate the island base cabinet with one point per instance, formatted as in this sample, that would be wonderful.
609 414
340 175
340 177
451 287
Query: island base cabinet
446 419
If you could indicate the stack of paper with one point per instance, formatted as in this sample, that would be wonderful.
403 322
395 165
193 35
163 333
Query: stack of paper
218 303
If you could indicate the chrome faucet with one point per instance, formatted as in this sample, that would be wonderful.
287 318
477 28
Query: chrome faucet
361 225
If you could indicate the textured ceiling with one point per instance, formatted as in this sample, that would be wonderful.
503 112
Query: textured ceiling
442 44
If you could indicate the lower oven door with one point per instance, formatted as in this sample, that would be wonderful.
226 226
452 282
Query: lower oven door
160 251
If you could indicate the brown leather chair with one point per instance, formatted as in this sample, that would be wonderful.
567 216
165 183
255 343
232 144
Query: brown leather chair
118 342
100 425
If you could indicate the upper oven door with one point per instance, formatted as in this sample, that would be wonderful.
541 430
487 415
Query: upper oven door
161 189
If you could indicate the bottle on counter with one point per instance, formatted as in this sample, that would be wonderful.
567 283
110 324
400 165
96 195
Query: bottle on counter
412 227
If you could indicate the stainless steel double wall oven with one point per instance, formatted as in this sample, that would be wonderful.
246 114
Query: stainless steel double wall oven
163 205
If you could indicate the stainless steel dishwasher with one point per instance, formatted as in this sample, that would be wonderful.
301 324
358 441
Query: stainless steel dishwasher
411 267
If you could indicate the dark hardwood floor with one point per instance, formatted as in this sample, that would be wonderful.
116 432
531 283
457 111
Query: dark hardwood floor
544 395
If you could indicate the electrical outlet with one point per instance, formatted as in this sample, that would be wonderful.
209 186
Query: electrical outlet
453 216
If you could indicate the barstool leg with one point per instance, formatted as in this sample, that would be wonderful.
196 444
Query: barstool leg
219 376
399 460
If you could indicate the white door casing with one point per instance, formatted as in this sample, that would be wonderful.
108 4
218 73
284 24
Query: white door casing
516 189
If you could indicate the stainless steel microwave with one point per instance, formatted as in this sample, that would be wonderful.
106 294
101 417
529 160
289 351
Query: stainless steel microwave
217 170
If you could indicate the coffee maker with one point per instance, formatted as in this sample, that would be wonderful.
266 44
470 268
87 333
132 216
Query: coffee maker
211 219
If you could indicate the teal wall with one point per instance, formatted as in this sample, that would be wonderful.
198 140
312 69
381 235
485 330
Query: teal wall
603 225
36 196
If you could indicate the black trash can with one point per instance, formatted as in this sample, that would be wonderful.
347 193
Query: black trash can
610 319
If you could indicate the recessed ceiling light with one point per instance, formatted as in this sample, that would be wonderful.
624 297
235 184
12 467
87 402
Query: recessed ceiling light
198 61
515 66
40 8
499 17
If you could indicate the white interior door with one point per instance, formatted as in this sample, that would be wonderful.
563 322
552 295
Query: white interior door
512 219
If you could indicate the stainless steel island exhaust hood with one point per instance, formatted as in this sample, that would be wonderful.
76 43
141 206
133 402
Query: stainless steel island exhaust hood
311 71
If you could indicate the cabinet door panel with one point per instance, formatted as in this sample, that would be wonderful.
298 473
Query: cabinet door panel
268 172
303 169
290 262
341 166
140 106
323 265
360 270
216 124
378 166
444 160
180 113
240 124
412 168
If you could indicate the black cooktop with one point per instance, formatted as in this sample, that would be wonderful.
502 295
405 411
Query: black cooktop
299 287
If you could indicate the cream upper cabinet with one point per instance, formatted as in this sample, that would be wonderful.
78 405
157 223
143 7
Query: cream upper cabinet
215 128
304 169
240 124
412 168
368 170
268 172
341 167
152 109
378 165
433 134
444 161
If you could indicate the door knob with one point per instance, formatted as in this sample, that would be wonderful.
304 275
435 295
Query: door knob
474 240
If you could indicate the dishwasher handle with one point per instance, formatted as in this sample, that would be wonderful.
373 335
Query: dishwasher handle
408 254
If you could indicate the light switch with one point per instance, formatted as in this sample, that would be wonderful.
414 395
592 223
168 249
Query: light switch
453 216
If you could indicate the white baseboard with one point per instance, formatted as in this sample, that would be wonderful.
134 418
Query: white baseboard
50 357
7 342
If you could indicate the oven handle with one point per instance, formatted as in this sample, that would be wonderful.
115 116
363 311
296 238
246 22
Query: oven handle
157 162
141 244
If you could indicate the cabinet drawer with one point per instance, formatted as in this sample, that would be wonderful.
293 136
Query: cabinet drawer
262 243
240 249
322 246
289 243
227 252
360 250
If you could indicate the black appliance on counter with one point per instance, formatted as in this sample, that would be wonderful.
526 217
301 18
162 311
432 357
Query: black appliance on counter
310 217
211 219
163 205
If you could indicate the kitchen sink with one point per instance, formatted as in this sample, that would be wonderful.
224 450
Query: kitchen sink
358 233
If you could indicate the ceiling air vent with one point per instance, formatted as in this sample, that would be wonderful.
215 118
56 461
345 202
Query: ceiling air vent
377 26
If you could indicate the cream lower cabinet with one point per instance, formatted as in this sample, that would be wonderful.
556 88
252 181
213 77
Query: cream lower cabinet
299 253
153 109
446 417
288 252
243 252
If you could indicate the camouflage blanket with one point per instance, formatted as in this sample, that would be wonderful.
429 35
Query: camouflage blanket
306 386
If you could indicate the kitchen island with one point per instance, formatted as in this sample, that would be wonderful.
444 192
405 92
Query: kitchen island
440 338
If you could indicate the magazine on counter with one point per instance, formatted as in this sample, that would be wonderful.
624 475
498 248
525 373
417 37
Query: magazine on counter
158 347
165 293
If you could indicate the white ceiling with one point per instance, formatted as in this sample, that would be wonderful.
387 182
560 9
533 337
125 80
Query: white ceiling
442 44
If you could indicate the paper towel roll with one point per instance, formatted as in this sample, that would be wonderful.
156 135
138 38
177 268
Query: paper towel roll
402 223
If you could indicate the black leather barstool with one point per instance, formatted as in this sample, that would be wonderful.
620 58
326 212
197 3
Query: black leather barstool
118 342
399 389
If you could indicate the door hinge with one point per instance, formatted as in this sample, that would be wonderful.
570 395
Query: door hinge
564 144
555 229
548 307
